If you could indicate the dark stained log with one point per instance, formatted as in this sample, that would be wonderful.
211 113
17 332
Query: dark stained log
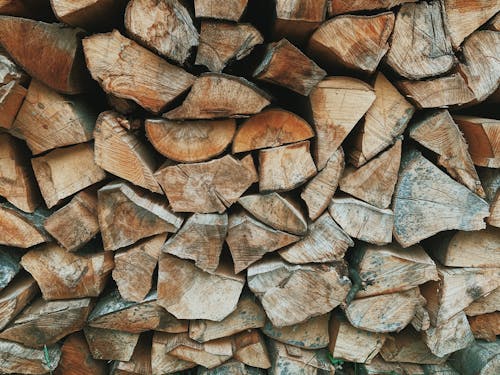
479 358
20 359
231 10
76 358
20 229
349 6
9 265
110 344
121 105
161 361
15 297
250 348
25 8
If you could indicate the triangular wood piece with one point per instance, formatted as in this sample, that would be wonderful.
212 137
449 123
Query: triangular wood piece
22 230
161 361
487 304
230 10
140 362
16 357
294 360
250 348
110 344
15 297
76 355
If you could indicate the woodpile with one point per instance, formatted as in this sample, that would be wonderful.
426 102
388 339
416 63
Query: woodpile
249 187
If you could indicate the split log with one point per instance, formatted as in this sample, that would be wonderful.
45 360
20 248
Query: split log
12 91
190 141
20 359
438 132
350 6
486 326
88 14
249 240
427 201
291 294
200 239
337 104
9 265
374 182
112 60
109 344
384 122
362 220
140 362
311 334
75 224
380 367
248 315
223 42
187 292
207 187
276 211
22 230
351 344
17 183
15 297
64 275
161 361
48 119
65 171
231 10
444 369
127 214
384 313
354 42
232 367
250 348
428 51
134 268
490 179
165 27
421 321
486 304
494 24
480 358
46 322
286 359
52 48
285 65
482 136
76 358
319 191
216 95
324 242
286 167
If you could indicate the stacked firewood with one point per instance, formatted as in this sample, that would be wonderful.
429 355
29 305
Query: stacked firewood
249 187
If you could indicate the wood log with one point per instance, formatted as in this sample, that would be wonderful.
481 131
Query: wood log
482 136
57 49
231 10
111 59
276 211
46 322
250 348
354 42
350 6
438 132
20 359
216 95
486 326
9 265
324 242
65 171
384 313
161 361
20 229
165 27
48 119
428 51
247 315
319 191
15 297
24 8
127 214
444 369
293 360
291 294
337 104
76 358
140 362
88 14
421 321
287 66
134 268
17 183
224 42
190 141
485 304
490 178
64 275
494 24
121 105
187 292
362 220
384 122
374 182
480 358
380 367
107 344
427 195
249 240
232 367
207 187
12 91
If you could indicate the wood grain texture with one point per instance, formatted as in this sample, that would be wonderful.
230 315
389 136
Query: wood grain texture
231 10
485 304
107 344
140 362
490 178
232 367
485 326
88 14
348 6
76 358
9 265
250 349
22 230
15 297
17 358
12 91
161 361
290 359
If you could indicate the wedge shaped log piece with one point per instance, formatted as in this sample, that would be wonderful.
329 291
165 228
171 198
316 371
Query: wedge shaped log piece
22 230
76 358
15 297
107 344
17 358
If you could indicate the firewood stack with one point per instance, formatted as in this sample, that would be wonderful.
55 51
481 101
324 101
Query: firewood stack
249 187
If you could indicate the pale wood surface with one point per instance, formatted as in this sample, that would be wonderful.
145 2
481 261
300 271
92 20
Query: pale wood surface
347 6
140 362
20 229
290 359
20 359
161 361
88 14
231 10
16 297
109 344
488 303
251 349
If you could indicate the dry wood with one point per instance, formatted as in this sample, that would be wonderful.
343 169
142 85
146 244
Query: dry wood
20 229
187 292
384 122
24 8
164 26
355 42
127 214
337 104
223 42
161 361
324 242
428 201
286 359
291 294
51 48
65 171
362 220
490 179
276 211
249 240
444 369
9 265
486 304
15 297
250 348
285 65
216 95
349 6
20 359
140 362
232 367
12 93
438 132
124 68
380 367
64 275
231 10
46 322
17 183
88 14
190 141
494 24
200 239
480 358
207 187
76 358
486 326
134 267
109 344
